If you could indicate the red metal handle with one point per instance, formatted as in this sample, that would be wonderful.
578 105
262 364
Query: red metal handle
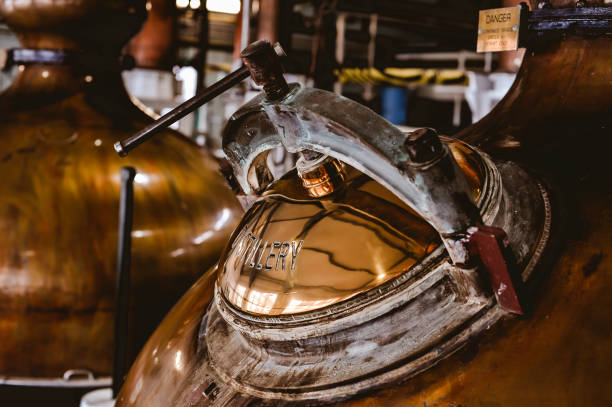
490 244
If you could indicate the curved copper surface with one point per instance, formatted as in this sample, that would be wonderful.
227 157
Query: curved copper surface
169 357
293 253
153 46
59 201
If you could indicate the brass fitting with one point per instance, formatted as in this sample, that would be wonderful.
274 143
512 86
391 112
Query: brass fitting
320 176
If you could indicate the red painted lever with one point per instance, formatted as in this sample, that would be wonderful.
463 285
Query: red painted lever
490 244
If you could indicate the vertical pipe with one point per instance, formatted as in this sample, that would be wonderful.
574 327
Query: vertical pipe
204 34
245 20
241 35
201 67
340 33
122 294
267 23
368 88
372 31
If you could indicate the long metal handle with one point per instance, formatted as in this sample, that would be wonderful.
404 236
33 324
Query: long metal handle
122 296
261 63
234 78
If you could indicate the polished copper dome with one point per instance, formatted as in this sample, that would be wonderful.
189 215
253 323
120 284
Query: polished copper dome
296 254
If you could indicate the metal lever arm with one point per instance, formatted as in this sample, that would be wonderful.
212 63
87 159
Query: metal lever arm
125 146
261 62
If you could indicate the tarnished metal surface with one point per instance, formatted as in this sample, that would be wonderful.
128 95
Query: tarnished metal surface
321 121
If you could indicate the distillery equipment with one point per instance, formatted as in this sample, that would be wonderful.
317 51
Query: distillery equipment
60 194
394 269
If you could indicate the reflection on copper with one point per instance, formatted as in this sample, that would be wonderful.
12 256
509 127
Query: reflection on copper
203 237
178 361
178 252
141 233
222 220
142 179
334 247
323 179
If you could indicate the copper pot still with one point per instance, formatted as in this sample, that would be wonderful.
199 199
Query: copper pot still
60 193
392 269
153 46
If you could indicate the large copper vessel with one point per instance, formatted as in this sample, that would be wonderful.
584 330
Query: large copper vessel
367 283
60 191
152 47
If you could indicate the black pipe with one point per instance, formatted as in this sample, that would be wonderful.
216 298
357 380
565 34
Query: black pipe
122 295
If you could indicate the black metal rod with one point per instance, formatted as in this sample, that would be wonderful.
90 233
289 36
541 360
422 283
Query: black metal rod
122 294
234 78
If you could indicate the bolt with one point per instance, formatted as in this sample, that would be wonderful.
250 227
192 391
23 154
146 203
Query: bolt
262 60
423 145
544 4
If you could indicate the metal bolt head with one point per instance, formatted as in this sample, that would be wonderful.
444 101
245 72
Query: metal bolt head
423 145
262 60
260 46
279 50
544 4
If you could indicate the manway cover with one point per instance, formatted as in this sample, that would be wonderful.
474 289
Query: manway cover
293 253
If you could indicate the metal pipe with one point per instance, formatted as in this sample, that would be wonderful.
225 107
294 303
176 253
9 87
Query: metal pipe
340 34
125 146
245 26
268 20
122 295
214 90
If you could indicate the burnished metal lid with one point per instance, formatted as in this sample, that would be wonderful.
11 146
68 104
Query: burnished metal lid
293 253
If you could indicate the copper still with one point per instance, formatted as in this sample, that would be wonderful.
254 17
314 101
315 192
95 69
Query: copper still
393 269
152 47
60 194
